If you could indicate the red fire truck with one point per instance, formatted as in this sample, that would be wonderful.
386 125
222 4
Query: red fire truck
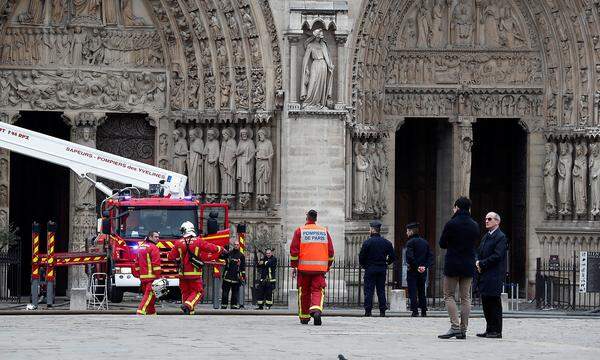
152 199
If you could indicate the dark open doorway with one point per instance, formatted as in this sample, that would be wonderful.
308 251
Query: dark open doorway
498 183
39 191
422 177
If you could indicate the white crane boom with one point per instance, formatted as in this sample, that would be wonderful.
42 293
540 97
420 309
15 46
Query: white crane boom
84 160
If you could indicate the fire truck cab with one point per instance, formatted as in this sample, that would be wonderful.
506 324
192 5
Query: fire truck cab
127 221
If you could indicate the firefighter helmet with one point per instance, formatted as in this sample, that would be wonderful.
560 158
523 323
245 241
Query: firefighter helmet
187 229
159 287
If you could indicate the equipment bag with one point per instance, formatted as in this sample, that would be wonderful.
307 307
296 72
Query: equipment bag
194 260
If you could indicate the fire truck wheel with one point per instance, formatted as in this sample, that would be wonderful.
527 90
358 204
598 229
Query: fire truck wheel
115 295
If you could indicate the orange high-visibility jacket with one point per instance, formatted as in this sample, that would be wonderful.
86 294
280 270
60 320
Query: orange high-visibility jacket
311 249
147 261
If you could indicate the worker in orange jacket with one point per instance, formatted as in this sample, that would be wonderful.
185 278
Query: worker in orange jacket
147 269
311 254
190 276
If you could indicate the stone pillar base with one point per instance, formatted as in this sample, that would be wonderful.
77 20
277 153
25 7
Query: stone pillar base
398 301
293 300
78 299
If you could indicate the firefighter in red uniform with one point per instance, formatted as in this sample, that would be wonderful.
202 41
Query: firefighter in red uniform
147 268
190 276
311 253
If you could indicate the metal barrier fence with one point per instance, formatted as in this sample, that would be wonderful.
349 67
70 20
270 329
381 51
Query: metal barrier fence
557 286
10 274
345 285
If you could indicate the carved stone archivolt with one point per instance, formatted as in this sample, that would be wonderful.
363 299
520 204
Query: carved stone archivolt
507 45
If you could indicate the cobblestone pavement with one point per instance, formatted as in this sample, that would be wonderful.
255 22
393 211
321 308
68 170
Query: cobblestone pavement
283 337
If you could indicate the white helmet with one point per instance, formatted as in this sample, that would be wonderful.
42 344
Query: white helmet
159 287
187 229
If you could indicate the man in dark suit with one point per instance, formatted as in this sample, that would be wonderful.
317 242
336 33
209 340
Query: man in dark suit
375 255
459 237
418 258
491 266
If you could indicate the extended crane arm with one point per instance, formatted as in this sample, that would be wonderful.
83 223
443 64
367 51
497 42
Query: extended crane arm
84 160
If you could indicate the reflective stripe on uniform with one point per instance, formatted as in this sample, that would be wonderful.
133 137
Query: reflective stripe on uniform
313 262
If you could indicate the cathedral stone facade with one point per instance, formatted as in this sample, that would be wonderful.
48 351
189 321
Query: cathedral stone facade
359 109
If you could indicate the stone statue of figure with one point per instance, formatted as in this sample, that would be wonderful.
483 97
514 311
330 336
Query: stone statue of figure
84 189
317 73
384 172
34 13
196 161
565 166
550 178
264 163
361 167
580 180
180 151
129 17
438 33
465 166
595 178
245 161
375 163
87 8
423 25
508 31
462 23
211 162
489 24
58 11
227 161
109 11
371 205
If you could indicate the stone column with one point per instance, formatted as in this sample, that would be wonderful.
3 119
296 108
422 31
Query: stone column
341 67
389 219
535 203
83 196
462 129
293 41
4 181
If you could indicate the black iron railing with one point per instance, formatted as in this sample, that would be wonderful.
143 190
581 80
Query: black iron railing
10 274
557 286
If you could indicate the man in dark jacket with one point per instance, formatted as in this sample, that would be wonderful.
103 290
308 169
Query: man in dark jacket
375 255
212 223
491 266
234 274
419 259
266 268
459 237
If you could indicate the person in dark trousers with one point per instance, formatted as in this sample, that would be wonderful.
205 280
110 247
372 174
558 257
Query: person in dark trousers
419 259
459 237
266 268
375 255
491 266
212 223
234 274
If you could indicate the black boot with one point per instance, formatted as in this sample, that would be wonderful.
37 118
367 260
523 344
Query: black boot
381 313
424 313
452 333
367 313
317 316
185 309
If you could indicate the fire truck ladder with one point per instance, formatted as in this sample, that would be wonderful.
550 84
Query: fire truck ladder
51 260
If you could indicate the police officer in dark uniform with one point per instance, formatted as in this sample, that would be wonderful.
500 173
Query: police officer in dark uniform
375 256
266 284
419 259
233 275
